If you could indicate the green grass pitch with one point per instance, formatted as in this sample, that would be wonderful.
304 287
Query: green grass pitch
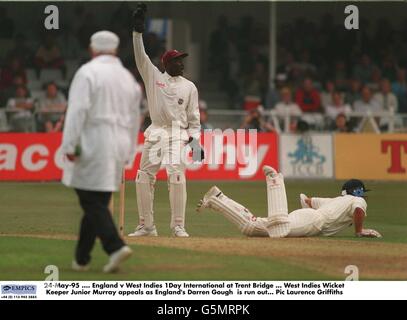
39 224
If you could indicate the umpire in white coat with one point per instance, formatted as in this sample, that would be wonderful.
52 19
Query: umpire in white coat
99 138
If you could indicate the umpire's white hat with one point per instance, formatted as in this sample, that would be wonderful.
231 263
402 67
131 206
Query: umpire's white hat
104 41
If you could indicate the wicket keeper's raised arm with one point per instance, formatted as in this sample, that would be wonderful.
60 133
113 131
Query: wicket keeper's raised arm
143 62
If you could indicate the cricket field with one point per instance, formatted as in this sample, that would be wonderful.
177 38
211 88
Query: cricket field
39 223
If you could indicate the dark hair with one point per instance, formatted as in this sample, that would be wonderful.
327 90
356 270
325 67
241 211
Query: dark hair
302 126
45 85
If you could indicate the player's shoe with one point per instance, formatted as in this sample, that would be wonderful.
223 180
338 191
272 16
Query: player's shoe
270 171
304 204
79 267
143 231
116 258
180 232
204 203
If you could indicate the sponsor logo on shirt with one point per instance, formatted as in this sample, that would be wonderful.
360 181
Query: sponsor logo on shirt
160 84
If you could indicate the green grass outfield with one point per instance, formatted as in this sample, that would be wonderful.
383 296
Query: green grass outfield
39 223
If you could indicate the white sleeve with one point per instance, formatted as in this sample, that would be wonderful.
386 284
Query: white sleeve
11 104
79 102
193 116
359 202
143 62
297 109
319 202
136 120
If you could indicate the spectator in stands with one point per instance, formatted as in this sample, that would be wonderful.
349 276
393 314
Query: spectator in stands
10 91
288 108
308 98
376 78
364 69
337 107
22 51
354 93
367 103
386 98
273 94
19 109
389 67
203 110
255 120
399 87
302 127
341 124
10 71
51 108
326 95
49 55
286 105
6 25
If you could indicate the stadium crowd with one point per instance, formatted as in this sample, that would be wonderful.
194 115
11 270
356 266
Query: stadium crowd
324 73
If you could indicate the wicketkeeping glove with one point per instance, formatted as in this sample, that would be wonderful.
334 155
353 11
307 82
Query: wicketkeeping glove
198 153
139 17
369 233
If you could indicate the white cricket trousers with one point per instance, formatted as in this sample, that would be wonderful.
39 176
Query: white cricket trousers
167 151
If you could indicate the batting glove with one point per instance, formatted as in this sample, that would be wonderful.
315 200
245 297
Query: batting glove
139 17
369 233
198 153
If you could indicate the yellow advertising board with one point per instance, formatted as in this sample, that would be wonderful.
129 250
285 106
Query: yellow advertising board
371 156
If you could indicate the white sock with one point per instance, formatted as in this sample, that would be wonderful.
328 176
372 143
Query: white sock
145 198
178 199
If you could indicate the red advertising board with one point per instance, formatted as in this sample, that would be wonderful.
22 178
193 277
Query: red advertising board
37 157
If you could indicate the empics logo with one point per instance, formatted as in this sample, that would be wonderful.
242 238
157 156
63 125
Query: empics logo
18 289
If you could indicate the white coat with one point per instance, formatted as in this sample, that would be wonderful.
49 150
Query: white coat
103 119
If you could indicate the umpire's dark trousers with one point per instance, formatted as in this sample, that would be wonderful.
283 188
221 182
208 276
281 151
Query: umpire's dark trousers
97 222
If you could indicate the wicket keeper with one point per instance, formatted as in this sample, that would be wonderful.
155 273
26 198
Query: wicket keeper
173 104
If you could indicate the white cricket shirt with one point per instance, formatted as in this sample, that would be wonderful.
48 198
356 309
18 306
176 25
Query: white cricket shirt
169 98
338 213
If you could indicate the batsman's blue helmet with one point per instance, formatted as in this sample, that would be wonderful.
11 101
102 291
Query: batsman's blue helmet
354 187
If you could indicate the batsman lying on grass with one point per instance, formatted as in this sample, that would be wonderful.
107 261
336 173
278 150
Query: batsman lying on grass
318 216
